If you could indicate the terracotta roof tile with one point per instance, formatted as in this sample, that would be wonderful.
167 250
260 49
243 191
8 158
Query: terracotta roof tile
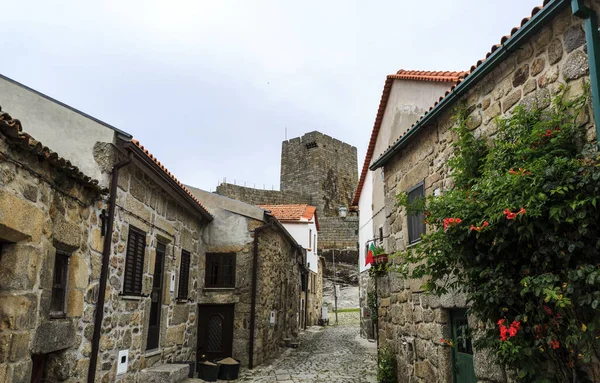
439 76
292 212
167 172
13 131
479 62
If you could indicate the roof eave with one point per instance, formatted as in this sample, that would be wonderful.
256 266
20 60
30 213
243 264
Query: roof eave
516 40
140 155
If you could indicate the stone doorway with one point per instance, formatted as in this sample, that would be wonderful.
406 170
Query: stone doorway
215 331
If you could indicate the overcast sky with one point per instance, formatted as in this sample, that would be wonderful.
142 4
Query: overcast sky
210 87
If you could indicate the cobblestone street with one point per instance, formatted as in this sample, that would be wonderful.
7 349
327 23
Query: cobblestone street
332 354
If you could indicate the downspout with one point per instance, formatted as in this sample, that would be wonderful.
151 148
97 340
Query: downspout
104 272
253 296
306 300
590 23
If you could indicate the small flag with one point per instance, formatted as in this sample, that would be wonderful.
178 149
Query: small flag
369 259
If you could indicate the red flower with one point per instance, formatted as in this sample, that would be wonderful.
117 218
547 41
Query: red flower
510 215
547 309
478 228
554 344
500 321
511 171
503 333
512 331
516 324
451 222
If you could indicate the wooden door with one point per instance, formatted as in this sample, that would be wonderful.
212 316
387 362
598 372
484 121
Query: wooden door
156 299
462 353
215 331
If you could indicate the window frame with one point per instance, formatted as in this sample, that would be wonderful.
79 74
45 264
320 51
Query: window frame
418 216
184 283
209 258
138 279
65 258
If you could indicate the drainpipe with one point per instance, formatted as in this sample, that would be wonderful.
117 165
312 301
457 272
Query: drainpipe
253 297
590 23
104 273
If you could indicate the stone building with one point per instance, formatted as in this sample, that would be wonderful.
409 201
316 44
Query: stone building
138 251
47 211
527 67
406 96
281 266
302 222
320 171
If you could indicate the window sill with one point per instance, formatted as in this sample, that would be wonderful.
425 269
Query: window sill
131 297
413 244
153 352
217 289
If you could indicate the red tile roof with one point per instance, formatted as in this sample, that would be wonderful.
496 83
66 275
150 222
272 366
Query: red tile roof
423 75
13 131
494 48
292 212
418 75
168 173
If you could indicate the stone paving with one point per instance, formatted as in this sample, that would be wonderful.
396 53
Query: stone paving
332 354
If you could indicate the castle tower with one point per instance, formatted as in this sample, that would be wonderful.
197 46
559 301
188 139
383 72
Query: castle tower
326 170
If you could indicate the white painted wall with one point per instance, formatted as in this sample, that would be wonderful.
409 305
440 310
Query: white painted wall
408 101
65 131
365 220
300 232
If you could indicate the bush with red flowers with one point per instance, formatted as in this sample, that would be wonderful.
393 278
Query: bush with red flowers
522 244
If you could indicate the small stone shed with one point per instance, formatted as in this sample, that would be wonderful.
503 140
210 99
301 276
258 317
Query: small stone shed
527 67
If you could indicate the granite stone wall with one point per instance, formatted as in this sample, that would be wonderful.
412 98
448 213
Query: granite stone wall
411 322
278 292
261 196
43 211
143 204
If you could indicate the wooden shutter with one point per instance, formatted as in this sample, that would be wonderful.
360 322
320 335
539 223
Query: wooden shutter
416 222
184 275
134 262
220 270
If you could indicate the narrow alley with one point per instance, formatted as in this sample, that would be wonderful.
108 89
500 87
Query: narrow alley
332 354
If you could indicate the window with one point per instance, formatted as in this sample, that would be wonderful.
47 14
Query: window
309 239
416 222
184 275
381 235
315 242
220 270
58 305
134 262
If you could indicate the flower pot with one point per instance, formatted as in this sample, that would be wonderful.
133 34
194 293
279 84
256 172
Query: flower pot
381 258
227 369
208 371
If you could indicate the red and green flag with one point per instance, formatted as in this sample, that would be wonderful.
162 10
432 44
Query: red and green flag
369 259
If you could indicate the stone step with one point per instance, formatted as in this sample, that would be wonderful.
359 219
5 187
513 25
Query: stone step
165 373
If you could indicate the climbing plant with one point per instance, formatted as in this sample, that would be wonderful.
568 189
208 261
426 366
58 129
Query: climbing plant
518 233
386 366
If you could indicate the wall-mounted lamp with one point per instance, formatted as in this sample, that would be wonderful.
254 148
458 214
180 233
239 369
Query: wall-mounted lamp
343 211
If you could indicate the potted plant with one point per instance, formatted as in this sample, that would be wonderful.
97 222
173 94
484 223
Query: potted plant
207 370
380 256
